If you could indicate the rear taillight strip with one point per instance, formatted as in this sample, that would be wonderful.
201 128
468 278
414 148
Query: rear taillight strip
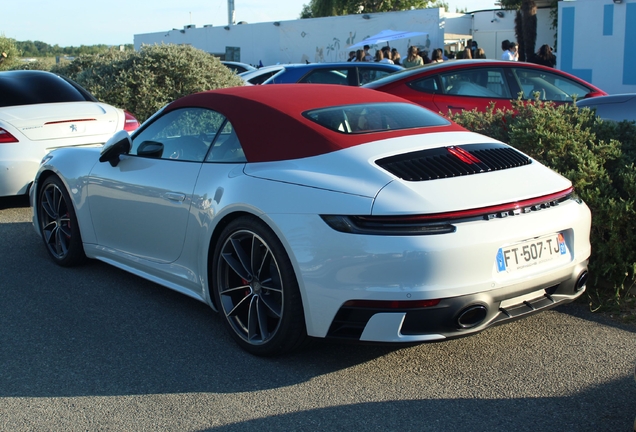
439 223
70 121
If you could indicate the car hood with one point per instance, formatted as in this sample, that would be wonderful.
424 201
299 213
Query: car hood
356 171
63 120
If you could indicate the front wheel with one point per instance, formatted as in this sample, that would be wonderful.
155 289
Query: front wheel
58 224
256 290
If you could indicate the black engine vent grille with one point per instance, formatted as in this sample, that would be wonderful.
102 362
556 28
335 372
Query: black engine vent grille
453 161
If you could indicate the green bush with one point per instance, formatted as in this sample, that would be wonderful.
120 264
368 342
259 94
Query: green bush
598 157
144 81
9 54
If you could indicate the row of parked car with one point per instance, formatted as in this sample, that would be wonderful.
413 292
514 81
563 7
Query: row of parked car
30 126
453 86
300 211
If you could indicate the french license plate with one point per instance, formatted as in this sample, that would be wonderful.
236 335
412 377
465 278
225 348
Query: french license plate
531 253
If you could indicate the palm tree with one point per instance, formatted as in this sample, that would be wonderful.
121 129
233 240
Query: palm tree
525 27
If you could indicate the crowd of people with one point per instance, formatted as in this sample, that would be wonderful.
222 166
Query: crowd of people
544 56
416 57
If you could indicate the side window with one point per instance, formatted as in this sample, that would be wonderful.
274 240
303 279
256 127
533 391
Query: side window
488 83
366 75
426 85
226 148
184 134
549 86
326 76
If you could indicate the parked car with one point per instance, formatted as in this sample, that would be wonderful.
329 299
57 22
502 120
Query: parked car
617 107
260 75
343 73
238 67
324 211
41 111
460 85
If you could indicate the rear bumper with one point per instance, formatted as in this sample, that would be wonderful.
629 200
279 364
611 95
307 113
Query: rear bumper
16 177
457 316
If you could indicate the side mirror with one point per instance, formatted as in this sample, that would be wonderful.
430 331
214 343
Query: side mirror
151 149
593 94
118 144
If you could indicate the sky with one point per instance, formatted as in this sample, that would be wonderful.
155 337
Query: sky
115 22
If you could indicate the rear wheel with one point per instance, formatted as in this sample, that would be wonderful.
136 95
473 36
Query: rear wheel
256 290
58 224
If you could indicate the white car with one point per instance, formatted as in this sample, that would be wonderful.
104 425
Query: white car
238 67
41 111
260 75
616 107
323 211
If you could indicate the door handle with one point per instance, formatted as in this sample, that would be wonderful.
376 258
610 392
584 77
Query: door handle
174 196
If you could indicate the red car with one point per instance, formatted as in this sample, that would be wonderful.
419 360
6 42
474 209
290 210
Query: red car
459 85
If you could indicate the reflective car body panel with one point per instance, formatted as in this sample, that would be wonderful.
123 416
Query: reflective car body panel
160 216
238 67
617 107
342 73
475 84
41 112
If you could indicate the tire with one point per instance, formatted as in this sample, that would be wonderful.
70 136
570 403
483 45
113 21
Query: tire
256 289
58 224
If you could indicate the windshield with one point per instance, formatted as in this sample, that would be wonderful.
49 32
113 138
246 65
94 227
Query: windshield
36 87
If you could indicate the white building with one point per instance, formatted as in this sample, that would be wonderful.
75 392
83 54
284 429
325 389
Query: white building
317 39
595 41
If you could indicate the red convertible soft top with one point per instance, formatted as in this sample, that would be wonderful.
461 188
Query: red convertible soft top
269 122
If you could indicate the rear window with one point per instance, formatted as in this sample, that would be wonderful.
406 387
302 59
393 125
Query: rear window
35 87
365 118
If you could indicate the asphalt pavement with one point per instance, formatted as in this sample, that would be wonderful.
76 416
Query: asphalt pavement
94 348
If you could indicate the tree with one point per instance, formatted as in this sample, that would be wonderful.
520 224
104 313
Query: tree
525 25
326 8
143 81
9 54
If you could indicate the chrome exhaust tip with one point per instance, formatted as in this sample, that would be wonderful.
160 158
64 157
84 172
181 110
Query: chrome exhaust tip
581 281
471 316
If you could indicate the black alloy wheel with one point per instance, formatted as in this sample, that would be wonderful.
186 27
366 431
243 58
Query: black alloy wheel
58 224
256 290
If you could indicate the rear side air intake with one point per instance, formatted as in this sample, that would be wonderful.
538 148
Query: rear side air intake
453 161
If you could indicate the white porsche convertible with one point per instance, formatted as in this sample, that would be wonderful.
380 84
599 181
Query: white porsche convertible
301 211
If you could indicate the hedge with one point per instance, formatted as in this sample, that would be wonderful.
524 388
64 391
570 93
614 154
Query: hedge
597 156
143 81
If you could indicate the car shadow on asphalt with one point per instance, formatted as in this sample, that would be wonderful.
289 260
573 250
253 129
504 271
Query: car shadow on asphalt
14 202
578 412
95 330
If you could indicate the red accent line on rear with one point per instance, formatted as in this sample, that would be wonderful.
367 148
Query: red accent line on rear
392 304
70 121
477 211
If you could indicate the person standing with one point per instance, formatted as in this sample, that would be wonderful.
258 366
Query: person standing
395 56
511 53
544 57
504 47
437 56
379 57
367 56
412 60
